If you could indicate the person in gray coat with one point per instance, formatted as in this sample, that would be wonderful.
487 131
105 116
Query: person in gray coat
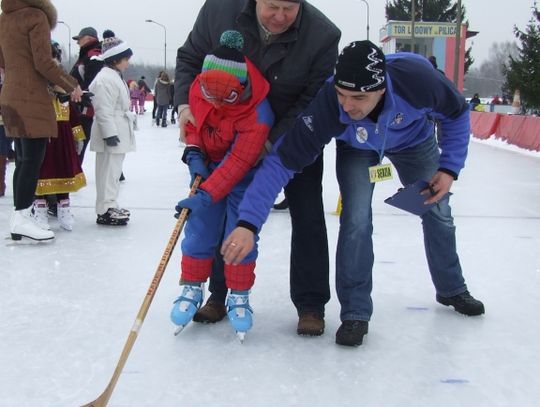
162 91
295 46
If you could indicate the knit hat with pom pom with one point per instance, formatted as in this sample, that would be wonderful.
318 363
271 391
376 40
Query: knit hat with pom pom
113 48
228 56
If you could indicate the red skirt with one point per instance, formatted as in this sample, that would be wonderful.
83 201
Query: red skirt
61 171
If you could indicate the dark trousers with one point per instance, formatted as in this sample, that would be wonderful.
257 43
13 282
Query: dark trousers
5 143
161 114
86 123
29 155
174 111
154 108
309 265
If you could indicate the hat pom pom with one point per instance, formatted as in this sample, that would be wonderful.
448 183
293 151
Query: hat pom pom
108 34
232 39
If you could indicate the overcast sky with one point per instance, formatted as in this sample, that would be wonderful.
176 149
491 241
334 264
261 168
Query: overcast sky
494 19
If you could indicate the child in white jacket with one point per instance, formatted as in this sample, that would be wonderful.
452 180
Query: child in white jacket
112 130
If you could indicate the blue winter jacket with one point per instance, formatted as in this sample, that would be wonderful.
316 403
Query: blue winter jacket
416 95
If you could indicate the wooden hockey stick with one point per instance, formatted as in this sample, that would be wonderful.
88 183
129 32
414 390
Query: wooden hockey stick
103 399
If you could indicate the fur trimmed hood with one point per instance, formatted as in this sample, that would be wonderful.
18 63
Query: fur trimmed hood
46 6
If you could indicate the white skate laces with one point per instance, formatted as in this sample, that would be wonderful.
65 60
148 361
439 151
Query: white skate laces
39 214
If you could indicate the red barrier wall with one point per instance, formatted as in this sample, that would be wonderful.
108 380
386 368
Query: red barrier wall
531 132
522 131
510 128
483 125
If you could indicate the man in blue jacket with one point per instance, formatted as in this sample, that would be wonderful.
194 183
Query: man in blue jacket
375 107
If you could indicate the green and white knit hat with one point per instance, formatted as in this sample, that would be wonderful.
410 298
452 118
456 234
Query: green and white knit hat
227 57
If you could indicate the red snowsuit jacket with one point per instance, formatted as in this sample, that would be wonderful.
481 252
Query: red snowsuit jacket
233 135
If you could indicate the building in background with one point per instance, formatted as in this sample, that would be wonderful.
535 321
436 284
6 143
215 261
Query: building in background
430 38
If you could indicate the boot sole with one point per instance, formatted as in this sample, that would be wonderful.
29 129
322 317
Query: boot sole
307 332
443 301
204 320
354 344
112 224
17 237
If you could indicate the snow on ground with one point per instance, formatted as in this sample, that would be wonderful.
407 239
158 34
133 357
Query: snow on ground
66 308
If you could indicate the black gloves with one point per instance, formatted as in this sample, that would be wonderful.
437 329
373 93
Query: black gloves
112 141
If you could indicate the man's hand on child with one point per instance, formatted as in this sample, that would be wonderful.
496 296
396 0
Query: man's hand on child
184 116
237 245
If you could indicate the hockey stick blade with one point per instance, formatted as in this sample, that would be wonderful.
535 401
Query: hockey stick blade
104 397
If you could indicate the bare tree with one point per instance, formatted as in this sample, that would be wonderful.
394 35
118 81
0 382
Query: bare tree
488 79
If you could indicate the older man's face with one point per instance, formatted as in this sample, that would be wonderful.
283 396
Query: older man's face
277 15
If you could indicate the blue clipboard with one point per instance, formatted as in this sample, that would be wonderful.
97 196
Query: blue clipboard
409 198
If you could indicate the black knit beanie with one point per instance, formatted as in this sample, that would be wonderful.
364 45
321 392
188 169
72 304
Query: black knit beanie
361 67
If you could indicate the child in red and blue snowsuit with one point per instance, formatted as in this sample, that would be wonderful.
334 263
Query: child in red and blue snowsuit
228 101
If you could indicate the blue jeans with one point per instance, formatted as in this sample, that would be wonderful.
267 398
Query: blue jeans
354 257
162 113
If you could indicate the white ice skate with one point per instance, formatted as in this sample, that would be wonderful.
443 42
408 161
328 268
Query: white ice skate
65 217
23 224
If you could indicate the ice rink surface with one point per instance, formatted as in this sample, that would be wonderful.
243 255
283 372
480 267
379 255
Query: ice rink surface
66 308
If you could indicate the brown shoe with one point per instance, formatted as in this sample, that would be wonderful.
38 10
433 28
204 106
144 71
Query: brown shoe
310 324
211 312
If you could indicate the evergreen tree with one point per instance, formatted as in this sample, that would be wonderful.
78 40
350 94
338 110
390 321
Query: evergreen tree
425 10
488 79
428 10
469 60
523 71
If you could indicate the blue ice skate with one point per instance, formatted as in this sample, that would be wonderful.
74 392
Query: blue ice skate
239 312
186 305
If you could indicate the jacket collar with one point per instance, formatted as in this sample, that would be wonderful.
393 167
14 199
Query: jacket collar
46 6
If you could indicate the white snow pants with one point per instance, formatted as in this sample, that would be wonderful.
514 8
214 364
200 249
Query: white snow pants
108 171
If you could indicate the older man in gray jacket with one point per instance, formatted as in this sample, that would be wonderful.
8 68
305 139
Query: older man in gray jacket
295 46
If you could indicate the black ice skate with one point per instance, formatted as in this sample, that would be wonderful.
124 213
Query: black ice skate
113 217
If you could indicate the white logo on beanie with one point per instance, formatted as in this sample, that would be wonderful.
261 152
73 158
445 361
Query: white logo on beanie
346 84
371 67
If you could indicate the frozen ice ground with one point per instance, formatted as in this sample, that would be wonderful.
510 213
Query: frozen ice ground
66 308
